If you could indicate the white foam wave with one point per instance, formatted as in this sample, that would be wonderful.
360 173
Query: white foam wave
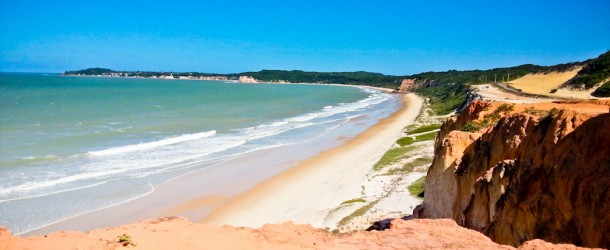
309 119
154 144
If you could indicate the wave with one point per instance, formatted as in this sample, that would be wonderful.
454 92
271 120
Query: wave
154 144
184 151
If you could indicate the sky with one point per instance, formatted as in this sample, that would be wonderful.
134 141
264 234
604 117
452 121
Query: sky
390 37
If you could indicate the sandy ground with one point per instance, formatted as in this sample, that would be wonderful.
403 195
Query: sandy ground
489 92
305 193
577 94
542 84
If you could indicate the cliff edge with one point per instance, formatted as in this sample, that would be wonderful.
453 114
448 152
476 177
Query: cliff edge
525 171
179 233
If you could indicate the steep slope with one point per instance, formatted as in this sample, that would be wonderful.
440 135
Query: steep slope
525 172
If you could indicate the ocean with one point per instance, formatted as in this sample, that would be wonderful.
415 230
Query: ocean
72 145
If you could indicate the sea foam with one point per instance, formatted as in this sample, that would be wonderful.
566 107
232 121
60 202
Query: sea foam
153 144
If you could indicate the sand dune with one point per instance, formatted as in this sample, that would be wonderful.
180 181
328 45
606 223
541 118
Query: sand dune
543 83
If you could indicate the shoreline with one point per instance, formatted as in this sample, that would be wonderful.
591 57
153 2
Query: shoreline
189 196
306 192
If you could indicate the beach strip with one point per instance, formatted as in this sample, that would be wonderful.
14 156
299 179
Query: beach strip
305 193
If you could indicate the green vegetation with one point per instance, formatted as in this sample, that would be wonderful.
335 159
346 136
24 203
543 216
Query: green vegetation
487 76
392 156
489 119
425 128
603 91
593 73
126 240
359 212
353 201
353 78
445 98
532 111
417 187
90 71
405 141
409 166
447 90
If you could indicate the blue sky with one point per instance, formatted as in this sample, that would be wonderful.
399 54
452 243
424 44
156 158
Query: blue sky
391 37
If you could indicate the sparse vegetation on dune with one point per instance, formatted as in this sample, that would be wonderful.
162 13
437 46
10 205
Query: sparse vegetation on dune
353 201
406 141
425 128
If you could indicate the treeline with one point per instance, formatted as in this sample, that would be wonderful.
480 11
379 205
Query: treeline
352 78
109 72
491 75
91 71
447 90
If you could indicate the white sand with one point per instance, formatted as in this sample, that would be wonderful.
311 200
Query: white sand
305 193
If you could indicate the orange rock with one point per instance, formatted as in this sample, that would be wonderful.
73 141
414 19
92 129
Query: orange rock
406 85
530 175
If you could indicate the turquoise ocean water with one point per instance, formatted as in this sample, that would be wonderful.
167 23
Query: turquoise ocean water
71 145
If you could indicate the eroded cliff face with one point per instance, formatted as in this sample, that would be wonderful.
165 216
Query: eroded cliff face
538 171
406 85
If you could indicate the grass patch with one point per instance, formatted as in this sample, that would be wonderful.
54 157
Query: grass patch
417 187
353 201
409 166
489 119
359 212
426 128
392 156
405 141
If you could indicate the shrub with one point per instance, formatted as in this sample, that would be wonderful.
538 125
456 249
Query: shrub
126 240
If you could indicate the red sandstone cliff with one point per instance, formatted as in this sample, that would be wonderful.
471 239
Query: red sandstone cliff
406 85
524 172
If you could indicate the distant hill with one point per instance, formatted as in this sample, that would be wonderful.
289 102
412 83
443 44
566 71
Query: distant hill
447 90
90 71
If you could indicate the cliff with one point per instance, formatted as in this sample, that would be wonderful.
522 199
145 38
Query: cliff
179 233
406 86
522 172
247 79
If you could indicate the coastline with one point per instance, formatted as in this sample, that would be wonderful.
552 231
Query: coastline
189 196
306 192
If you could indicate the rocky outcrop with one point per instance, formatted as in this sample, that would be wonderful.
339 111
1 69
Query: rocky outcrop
179 233
538 171
406 85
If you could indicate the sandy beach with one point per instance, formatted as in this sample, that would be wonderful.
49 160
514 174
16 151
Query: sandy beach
305 193
336 164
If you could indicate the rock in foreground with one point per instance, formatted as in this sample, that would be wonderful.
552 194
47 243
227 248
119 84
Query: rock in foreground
521 172
179 233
